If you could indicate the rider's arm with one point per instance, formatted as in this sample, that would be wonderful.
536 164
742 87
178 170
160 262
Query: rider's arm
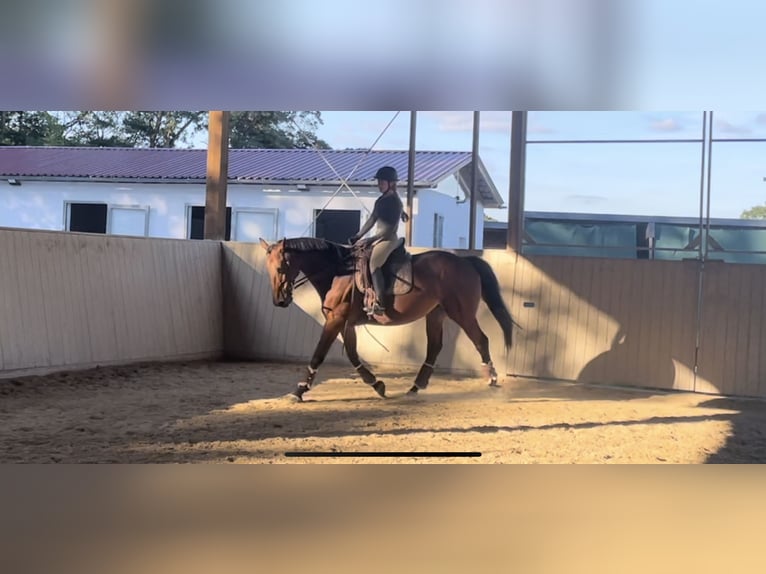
369 223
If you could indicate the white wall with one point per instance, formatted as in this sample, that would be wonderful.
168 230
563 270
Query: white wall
40 205
456 217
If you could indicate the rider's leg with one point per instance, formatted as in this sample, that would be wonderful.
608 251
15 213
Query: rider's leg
379 285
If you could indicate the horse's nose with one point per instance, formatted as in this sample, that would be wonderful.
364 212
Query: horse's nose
281 300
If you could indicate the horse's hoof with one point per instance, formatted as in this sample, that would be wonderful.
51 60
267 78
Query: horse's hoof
293 398
493 385
413 391
380 388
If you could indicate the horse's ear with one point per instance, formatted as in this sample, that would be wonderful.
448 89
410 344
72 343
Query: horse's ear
264 244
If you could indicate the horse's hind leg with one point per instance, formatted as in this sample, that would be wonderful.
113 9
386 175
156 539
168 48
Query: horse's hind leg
470 326
435 337
349 341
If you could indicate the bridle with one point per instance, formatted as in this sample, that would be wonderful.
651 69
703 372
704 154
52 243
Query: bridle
285 285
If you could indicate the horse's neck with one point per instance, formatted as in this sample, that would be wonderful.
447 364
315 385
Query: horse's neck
319 269
311 261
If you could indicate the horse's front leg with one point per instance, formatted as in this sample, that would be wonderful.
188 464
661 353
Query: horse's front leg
330 332
349 341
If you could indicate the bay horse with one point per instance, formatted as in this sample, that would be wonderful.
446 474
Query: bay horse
443 285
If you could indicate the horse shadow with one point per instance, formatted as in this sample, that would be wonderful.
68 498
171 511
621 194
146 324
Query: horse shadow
746 441
621 364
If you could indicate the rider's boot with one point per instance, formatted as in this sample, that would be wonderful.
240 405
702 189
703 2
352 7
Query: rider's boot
379 286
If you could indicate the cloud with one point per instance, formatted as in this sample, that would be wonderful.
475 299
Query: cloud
725 127
666 125
463 121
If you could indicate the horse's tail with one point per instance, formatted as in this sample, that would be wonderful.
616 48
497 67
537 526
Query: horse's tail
493 297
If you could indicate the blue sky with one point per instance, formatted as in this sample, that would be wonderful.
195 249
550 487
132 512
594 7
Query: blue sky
436 131
635 179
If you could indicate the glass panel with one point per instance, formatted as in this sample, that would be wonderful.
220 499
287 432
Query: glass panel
613 125
585 239
252 225
625 179
128 221
737 178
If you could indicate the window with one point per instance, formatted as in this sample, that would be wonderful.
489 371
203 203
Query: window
336 224
94 217
128 221
86 217
196 219
438 230
250 224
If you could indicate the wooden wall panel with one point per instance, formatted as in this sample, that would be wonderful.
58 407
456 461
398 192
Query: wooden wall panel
732 341
592 320
76 300
609 321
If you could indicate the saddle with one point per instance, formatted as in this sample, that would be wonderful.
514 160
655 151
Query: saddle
397 271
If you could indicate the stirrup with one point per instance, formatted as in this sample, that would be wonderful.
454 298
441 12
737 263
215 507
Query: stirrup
376 309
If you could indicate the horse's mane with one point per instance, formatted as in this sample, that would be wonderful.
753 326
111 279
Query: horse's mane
309 244
334 251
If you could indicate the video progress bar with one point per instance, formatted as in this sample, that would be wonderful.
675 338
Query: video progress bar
389 454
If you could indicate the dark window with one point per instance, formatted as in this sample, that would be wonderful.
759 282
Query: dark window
495 237
336 224
642 241
438 230
87 217
197 230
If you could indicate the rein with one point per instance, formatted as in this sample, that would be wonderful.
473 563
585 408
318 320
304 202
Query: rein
301 281
306 277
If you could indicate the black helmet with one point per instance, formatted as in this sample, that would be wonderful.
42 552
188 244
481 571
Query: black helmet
387 173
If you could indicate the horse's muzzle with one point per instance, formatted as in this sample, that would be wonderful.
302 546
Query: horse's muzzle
283 301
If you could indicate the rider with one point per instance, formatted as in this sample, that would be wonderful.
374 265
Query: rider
387 212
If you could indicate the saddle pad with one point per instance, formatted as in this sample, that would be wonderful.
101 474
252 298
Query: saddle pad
402 273
398 277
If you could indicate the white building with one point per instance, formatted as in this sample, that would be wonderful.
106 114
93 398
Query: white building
271 193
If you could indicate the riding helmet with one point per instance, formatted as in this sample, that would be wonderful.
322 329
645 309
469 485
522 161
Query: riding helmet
387 173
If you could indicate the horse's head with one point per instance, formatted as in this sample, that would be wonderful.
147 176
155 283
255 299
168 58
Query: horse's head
281 273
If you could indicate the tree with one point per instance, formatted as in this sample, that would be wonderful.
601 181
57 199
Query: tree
98 129
755 212
164 129
160 129
276 130
130 129
30 128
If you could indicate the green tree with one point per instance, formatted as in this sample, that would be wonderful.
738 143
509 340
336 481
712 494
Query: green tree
97 129
161 129
164 129
30 128
755 212
276 130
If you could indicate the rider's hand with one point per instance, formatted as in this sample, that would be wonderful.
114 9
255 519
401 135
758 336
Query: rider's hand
353 239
